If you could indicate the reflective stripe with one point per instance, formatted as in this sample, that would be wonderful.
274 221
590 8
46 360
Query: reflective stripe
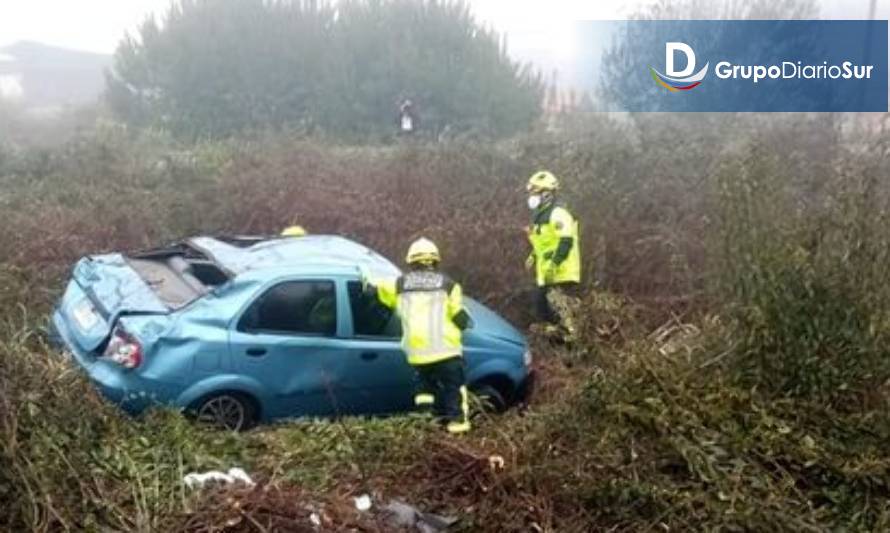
424 399
437 320
464 425
421 360
404 307
458 427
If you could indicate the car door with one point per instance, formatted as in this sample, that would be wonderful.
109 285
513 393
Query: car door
286 340
380 380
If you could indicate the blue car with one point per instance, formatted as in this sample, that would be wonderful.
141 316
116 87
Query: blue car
238 330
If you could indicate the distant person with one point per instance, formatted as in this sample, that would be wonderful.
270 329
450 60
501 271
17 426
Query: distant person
555 257
408 120
433 317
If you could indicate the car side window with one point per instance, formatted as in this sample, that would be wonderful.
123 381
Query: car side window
294 307
370 318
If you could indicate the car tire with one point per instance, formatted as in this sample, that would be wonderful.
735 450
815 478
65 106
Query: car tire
231 411
490 399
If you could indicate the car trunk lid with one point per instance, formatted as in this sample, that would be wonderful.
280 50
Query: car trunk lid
102 289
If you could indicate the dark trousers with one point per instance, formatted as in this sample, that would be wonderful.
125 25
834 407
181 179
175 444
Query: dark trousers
544 302
446 382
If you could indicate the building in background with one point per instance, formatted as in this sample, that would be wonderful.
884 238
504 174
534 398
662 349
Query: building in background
10 81
45 79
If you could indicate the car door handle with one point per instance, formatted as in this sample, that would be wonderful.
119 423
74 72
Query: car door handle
369 356
256 352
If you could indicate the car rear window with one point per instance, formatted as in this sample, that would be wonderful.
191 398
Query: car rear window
172 288
178 274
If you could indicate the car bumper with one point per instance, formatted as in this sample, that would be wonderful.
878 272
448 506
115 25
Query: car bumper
119 386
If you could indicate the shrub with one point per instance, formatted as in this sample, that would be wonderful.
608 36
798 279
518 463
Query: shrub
803 283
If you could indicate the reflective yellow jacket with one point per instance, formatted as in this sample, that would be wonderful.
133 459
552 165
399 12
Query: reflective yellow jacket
550 225
430 307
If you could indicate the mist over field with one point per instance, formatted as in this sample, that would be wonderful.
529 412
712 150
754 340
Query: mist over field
733 364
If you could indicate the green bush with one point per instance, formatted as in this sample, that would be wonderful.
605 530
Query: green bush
804 284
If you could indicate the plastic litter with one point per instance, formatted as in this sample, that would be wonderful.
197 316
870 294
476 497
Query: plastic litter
363 502
402 514
195 480
496 463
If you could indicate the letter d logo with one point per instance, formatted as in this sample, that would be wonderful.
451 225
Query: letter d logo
682 80
670 50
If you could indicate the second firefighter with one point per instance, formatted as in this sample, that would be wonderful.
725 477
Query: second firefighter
430 306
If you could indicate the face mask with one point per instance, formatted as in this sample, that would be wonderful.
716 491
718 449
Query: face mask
534 201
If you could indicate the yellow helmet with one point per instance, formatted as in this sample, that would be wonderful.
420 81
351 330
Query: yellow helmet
422 251
542 181
293 231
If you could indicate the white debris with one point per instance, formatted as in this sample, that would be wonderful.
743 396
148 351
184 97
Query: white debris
195 480
315 519
239 474
363 502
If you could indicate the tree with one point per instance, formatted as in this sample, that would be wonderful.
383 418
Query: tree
435 53
215 68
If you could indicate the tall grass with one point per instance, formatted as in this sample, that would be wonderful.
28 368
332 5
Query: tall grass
802 273
732 375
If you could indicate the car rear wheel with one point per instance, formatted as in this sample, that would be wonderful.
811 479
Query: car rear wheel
227 411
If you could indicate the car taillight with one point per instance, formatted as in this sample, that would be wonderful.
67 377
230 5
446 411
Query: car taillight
124 349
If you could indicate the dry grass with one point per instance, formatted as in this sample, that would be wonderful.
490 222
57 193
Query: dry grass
674 413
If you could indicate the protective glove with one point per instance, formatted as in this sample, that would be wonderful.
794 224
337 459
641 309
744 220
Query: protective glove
365 277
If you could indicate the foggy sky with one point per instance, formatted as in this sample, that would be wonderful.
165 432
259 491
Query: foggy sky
531 25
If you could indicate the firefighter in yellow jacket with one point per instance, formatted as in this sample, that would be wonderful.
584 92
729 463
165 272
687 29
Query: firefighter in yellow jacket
430 306
555 256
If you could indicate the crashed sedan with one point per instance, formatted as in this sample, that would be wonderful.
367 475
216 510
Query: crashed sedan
248 329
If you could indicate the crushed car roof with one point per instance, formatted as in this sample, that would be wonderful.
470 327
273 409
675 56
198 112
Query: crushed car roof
316 250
